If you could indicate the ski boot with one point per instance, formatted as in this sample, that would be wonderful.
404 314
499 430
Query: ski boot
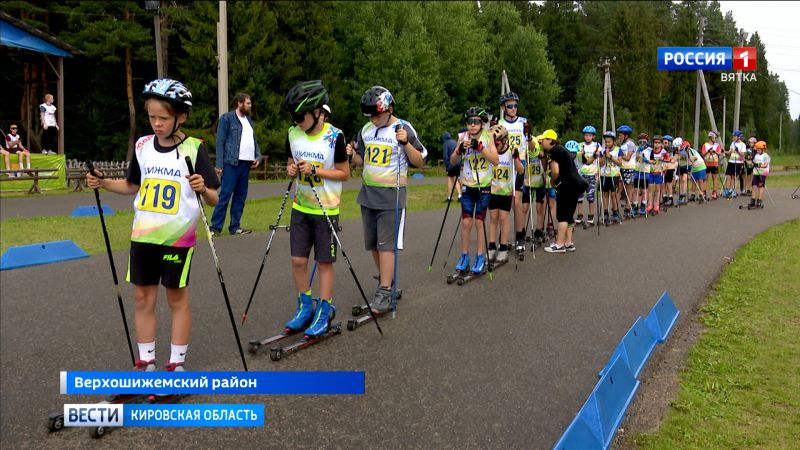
693 197
634 210
538 237
656 209
606 222
670 202
682 200
480 264
324 316
643 209
649 209
703 198
492 251
303 315
615 217
551 231
174 367
750 205
382 300
590 221
502 254
519 247
627 213
463 263
579 219
145 366
714 194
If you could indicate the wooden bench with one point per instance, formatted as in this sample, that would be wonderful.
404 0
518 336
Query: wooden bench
30 175
792 167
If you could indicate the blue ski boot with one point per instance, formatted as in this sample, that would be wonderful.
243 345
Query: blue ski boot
323 317
642 209
304 314
480 264
463 263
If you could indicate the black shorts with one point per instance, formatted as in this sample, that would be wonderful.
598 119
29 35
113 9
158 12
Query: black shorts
519 181
501 202
684 170
749 170
712 169
454 172
733 169
310 230
608 184
669 175
566 204
150 264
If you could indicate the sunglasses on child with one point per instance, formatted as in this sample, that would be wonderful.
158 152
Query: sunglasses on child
474 121
298 117
512 106
13 128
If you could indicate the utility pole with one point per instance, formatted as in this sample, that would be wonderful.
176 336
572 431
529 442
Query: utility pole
738 89
724 109
608 99
222 57
156 6
780 133
697 91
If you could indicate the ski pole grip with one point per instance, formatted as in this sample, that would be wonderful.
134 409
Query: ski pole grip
90 166
189 165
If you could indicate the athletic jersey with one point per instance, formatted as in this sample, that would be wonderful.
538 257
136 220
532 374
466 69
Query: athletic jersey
504 174
11 139
737 158
672 164
475 167
683 158
165 208
588 157
657 164
49 114
628 147
699 163
610 168
711 153
749 152
534 172
758 160
516 133
383 154
643 159
318 150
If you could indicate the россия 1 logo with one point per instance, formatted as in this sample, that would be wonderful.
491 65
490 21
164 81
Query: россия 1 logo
710 58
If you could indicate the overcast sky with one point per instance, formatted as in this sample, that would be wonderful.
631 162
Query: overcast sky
776 23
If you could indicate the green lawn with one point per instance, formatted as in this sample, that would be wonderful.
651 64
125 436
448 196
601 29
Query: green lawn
741 384
258 215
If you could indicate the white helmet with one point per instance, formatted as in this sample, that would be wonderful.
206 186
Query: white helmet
677 142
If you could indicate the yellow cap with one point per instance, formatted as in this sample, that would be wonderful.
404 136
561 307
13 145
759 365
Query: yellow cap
548 134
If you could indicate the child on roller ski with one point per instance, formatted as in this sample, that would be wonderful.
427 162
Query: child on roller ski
628 166
710 152
166 212
750 152
385 146
656 158
761 162
588 153
684 169
670 167
477 154
533 188
610 160
316 155
640 178
698 171
518 140
503 177
735 155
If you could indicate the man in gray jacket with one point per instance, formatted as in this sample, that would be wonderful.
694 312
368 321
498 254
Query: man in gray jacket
237 153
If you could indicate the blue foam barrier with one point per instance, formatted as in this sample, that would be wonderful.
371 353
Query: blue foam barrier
597 421
635 348
41 253
418 175
662 317
86 211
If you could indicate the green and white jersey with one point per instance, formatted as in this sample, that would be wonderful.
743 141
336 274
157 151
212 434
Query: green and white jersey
534 171
610 169
384 156
587 155
474 166
643 159
516 133
628 148
699 163
738 150
165 208
318 150
758 160
504 174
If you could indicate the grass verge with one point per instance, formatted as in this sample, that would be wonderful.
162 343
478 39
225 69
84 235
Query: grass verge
259 214
740 384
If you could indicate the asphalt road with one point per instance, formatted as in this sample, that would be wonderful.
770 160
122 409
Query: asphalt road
494 364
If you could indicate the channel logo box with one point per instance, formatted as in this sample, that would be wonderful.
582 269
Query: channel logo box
707 58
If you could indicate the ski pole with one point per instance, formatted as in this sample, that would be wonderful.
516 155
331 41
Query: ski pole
489 262
599 183
111 263
344 254
397 227
452 242
269 245
216 265
441 228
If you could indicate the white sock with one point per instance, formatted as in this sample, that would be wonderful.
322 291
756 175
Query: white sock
178 354
147 350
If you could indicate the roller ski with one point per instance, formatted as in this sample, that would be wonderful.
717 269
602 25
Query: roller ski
589 222
463 276
461 270
300 321
322 327
754 204
380 305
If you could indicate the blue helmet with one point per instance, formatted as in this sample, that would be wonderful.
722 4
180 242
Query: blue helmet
573 146
589 129
625 129
738 133
666 137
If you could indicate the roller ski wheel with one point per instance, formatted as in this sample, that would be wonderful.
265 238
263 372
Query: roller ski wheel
278 353
97 432
352 324
743 207
275 354
257 345
460 281
55 422
455 277
253 347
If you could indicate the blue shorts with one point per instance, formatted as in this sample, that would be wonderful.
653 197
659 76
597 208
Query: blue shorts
472 198
699 175
655 178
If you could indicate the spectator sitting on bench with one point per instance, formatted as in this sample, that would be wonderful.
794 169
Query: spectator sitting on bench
14 144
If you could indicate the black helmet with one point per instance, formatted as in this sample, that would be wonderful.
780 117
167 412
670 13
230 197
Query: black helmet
170 90
508 96
306 96
477 111
376 100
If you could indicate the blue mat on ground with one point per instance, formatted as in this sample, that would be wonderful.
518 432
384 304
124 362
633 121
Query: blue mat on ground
661 319
418 175
635 348
85 211
41 253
